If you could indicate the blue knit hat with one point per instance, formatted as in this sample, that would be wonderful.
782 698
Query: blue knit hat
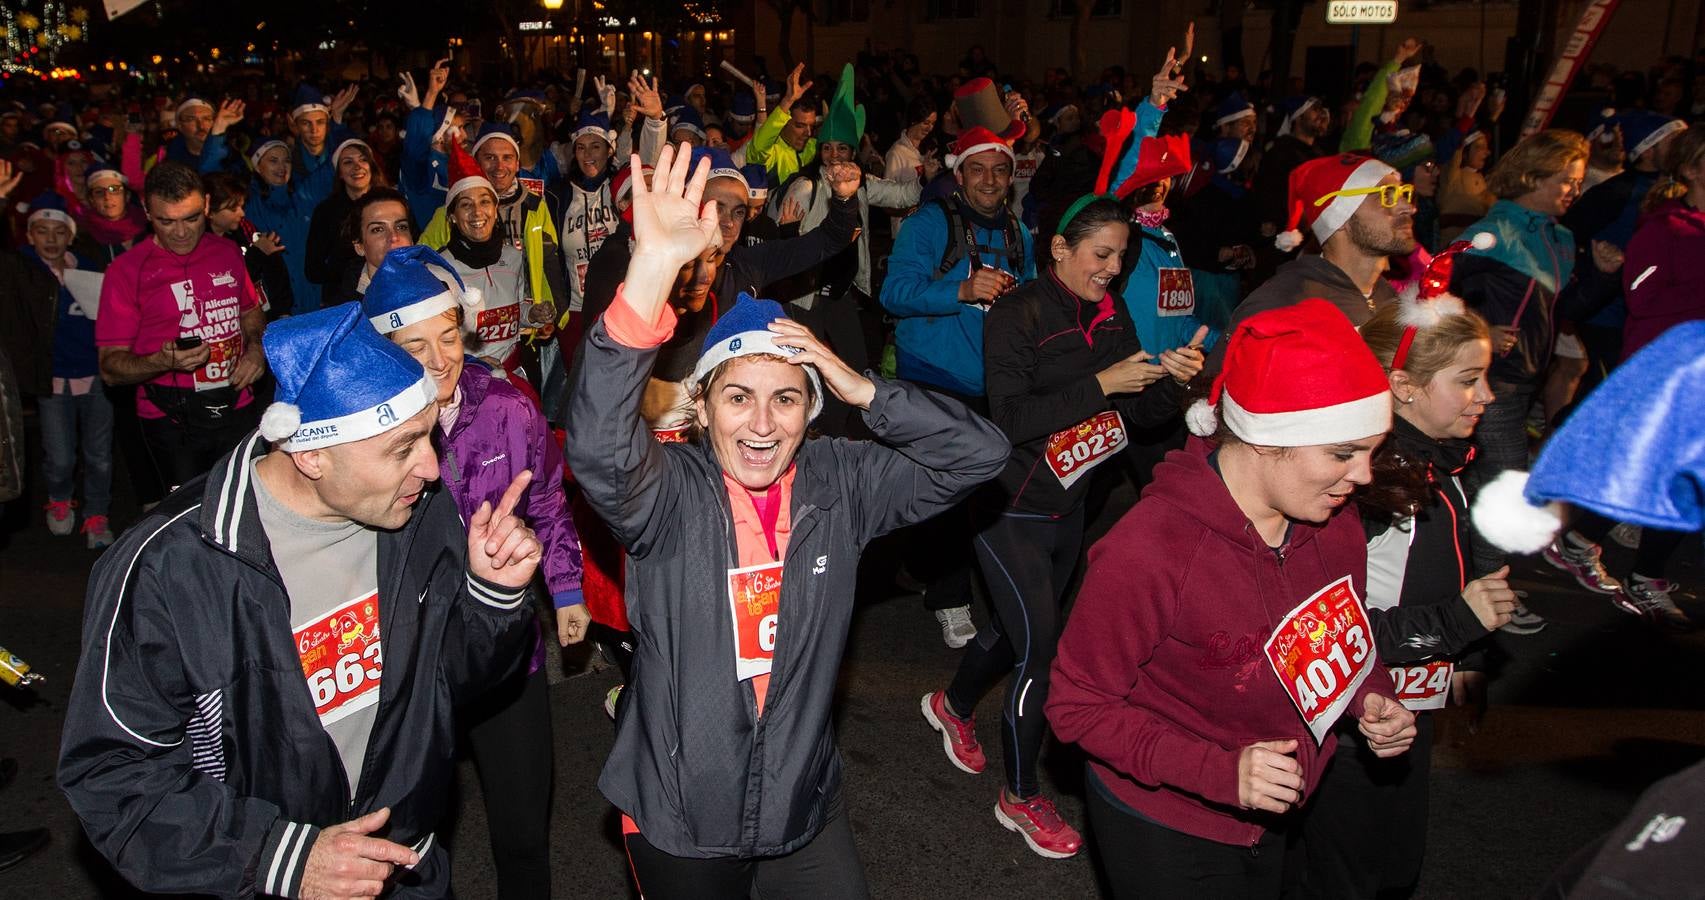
1604 126
688 118
1227 154
1293 107
104 171
411 285
721 165
339 381
757 180
1643 130
1235 106
593 122
50 206
744 107
495 131
744 331
1652 474
308 99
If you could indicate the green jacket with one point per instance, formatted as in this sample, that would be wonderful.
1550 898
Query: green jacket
767 147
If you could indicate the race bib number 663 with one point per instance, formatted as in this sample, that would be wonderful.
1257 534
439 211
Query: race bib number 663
341 658
1322 652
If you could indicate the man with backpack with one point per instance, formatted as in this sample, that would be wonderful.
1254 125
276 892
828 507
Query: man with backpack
951 261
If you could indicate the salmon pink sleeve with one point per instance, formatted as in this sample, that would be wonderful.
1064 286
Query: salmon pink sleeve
628 328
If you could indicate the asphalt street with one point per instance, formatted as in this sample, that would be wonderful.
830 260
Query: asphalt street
1583 716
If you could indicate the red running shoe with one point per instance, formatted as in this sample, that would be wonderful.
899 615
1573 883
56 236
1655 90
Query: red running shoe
958 736
1039 823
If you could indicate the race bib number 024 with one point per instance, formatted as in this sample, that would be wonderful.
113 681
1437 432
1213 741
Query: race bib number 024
754 598
341 658
1073 452
1322 652
1423 686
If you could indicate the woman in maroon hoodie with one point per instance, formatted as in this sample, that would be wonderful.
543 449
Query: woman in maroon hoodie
1219 633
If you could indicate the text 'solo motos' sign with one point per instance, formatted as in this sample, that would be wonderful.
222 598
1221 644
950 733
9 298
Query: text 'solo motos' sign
1361 12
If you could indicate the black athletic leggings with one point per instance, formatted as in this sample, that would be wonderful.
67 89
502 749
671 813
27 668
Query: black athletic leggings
1027 561
828 868
1143 859
511 746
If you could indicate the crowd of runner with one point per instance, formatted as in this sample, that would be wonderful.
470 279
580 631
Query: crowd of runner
672 355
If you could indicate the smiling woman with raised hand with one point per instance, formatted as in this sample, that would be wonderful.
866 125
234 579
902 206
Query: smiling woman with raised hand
743 546
1219 633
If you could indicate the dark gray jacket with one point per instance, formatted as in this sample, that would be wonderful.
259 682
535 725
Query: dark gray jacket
693 764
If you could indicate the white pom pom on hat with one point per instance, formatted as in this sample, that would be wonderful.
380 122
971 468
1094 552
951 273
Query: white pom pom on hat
280 421
1503 515
1202 419
1288 240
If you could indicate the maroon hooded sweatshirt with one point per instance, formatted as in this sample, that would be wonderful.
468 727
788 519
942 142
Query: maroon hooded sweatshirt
1161 677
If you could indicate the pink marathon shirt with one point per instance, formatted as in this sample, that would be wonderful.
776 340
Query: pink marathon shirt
152 296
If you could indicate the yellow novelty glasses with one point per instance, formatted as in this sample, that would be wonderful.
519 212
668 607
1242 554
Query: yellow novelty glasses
1389 194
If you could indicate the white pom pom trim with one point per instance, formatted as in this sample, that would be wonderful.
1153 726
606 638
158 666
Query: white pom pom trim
1201 419
1485 240
1430 313
1288 240
280 421
1503 515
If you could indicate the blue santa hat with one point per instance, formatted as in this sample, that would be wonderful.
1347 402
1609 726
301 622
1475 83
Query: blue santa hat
191 101
1652 474
688 118
104 171
339 381
1642 130
744 108
1604 126
308 99
1292 108
757 180
744 331
593 122
721 165
50 206
1227 154
411 285
1235 106
495 131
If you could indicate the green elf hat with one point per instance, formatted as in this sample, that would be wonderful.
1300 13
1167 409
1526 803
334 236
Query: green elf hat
845 122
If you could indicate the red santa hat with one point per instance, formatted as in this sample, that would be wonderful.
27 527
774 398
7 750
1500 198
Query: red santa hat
621 185
1297 376
1317 195
1428 301
973 141
465 175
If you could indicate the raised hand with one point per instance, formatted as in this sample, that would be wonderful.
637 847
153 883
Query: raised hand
843 178
851 387
9 178
501 548
1406 50
606 94
647 98
409 93
795 89
340 102
1169 81
230 113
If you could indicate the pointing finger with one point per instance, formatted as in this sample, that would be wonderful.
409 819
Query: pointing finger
512 495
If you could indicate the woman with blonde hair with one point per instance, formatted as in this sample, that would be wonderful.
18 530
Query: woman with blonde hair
1523 283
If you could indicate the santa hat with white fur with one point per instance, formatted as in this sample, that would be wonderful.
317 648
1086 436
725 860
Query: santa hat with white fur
339 381
1297 376
1652 474
1317 195
1428 300
973 141
411 285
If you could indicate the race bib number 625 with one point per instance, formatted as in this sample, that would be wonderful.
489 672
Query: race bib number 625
1322 652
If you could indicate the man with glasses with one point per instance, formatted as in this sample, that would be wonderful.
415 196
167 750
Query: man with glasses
180 319
1359 212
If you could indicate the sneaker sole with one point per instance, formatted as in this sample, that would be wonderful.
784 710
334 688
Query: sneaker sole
1012 825
1513 628
946 740
952 643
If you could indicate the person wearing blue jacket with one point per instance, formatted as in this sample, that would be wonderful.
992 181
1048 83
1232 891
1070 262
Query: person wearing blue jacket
939 285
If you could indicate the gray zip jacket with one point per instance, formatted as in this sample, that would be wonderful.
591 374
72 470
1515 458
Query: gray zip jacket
693 764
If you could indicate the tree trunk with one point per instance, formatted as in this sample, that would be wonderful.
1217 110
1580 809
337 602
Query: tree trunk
1287 17
784 40
1081 11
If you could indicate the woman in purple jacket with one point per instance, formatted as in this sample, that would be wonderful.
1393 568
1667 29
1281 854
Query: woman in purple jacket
488 433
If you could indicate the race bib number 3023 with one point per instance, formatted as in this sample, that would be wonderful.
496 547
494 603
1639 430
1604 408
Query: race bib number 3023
1073 452
341 658
1322 652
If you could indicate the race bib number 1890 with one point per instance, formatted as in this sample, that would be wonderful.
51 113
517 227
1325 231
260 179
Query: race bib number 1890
341 658
1322 652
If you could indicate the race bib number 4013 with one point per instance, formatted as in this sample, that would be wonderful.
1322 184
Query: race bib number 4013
341 658
754 599
1322 652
